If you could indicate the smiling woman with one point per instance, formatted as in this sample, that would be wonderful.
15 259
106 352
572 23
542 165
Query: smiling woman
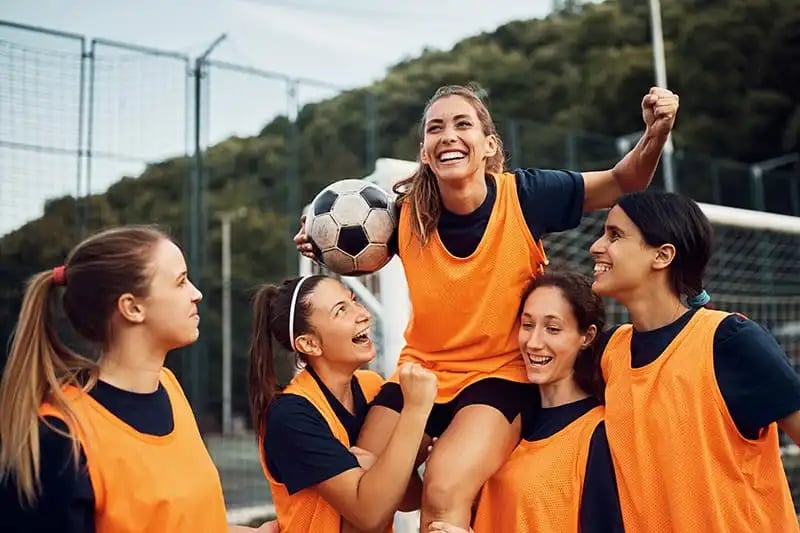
318 481
560 476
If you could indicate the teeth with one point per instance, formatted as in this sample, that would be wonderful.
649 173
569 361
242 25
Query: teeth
362 336
539 360
449 156
600 267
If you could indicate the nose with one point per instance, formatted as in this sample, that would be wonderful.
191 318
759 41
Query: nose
362 315
534 341
597 246
449 135
197 296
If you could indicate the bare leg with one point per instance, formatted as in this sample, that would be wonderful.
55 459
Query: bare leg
474 446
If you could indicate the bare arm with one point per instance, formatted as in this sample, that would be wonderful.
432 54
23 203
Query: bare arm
635 171
791 426
368 499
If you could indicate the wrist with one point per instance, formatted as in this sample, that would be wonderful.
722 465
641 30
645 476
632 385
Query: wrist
416 411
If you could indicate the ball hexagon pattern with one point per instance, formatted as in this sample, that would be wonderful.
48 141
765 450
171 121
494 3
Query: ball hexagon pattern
351 225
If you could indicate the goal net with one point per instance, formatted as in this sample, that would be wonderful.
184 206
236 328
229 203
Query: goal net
753 271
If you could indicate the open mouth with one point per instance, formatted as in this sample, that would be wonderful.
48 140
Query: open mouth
539 360
451 156
362 337
601 268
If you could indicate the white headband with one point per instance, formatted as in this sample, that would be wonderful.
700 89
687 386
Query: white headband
291 310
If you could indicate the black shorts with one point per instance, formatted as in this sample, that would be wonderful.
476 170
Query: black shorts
508 397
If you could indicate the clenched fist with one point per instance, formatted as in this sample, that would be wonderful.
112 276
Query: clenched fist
419 386
659 108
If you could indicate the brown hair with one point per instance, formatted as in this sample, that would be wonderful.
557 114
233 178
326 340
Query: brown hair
97 272
588 309
271 305
421 188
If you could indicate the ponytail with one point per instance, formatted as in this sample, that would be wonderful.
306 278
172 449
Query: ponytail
263 378
38 366
271 308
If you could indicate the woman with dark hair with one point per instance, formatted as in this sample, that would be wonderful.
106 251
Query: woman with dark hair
306 431
694 396
560 476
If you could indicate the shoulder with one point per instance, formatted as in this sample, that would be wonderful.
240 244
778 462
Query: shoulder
287 409
738 337
736 326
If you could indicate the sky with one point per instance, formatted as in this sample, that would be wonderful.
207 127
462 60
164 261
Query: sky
140 104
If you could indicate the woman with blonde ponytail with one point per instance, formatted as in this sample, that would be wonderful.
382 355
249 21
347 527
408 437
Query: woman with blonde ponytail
469 237
106 443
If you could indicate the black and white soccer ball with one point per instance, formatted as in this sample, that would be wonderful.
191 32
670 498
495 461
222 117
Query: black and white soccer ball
350 224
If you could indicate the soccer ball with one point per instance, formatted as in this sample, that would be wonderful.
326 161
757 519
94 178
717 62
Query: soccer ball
350 225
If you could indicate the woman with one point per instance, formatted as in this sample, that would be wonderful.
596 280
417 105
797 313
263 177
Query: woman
560 477
318 482
109 445
469 239
694 397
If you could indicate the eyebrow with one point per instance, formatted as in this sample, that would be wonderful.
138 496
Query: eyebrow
556 317
612 227
460 116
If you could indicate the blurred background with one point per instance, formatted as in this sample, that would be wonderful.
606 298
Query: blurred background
220 119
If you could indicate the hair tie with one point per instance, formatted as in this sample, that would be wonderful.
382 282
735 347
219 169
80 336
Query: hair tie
291 310
700 299
60 275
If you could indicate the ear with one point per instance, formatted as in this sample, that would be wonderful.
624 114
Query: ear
423 157
309 344
131 309
491 146
589 336
665 254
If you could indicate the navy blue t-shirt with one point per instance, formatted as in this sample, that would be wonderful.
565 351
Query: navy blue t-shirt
551 201
299 445
599 510
66 501
757 382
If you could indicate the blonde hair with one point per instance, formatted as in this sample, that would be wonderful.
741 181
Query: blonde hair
98 271
421 188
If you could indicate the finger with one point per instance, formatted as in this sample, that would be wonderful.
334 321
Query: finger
664 111
660 91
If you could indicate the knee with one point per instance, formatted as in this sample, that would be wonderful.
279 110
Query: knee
444 491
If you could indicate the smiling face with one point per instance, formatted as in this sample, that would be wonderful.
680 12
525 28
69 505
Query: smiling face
455 143
549 336
340 327
623 261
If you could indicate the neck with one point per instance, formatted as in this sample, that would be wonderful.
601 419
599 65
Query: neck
652 309
132 367
463 196
561 392
338 382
